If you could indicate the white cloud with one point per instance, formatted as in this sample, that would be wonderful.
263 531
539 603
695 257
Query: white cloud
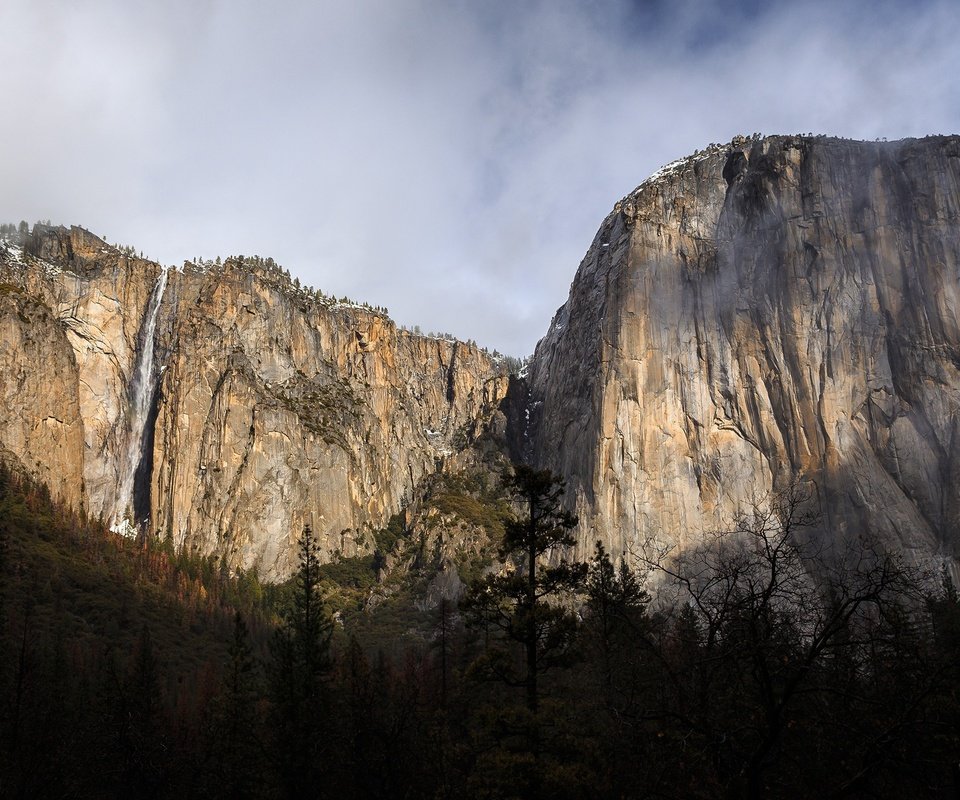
449 160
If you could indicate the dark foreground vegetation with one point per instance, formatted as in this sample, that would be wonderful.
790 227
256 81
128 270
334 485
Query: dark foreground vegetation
132 671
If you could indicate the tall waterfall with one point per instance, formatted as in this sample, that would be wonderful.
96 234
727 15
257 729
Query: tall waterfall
141 396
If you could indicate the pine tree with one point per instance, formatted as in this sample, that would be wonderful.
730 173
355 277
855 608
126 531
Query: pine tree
616 603
525 604
301 661
522 603
144 742
236 722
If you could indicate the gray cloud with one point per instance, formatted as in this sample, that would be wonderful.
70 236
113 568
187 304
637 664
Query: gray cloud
450 160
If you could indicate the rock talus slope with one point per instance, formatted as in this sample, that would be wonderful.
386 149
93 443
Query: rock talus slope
767 311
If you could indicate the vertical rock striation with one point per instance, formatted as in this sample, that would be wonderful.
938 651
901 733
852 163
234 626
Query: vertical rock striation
758 313
92 299
277 411
38 372
771 310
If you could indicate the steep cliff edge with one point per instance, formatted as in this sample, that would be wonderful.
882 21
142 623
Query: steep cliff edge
263 406
87 302
761 312
277 410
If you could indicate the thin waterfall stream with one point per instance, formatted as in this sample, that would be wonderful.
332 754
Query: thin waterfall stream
141 396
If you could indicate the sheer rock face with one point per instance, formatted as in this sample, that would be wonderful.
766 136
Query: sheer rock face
47 441
272 410
87 301
273 414
758 313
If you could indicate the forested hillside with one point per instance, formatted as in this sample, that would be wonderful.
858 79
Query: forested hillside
131 670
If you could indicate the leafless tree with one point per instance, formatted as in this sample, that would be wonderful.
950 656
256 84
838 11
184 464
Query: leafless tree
767 620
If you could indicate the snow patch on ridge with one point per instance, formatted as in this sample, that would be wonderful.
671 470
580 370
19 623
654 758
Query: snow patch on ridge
14 254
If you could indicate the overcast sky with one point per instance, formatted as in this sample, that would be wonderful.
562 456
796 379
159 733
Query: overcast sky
450 160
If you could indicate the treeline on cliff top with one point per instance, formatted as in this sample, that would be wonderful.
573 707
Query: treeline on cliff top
307 297
130 670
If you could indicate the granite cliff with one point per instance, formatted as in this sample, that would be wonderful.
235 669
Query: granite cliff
223 403
763 312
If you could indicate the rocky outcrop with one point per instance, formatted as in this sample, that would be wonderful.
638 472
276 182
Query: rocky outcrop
277 411
270 406
767 311
92 298
38 372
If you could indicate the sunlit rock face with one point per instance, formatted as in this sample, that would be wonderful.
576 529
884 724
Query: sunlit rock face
41 430
269 407
275 412
761 312
70 358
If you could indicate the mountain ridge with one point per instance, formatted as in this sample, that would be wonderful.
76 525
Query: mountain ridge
287 402
772 310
